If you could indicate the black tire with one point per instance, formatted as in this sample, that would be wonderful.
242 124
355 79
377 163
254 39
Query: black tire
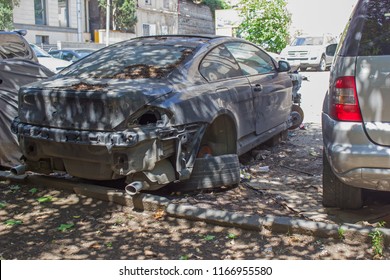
322 66
302 68
212 172
335 192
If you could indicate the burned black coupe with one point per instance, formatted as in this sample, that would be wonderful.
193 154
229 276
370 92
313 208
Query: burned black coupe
156 110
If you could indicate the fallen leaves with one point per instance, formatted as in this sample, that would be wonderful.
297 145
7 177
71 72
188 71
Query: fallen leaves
160 213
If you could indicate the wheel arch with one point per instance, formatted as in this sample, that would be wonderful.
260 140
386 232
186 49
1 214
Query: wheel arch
221 134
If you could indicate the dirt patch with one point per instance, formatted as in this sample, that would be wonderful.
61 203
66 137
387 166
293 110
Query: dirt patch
44 223
286 180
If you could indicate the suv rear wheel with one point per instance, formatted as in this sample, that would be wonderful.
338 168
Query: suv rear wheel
336 193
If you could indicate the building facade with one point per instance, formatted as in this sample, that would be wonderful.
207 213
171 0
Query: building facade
50 21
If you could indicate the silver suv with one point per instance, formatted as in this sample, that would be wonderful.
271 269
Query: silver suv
309 51
355 121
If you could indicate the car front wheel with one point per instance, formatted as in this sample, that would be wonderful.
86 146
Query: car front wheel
336 193
322 65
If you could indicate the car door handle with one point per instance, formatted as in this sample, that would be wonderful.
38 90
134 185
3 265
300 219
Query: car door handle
258 88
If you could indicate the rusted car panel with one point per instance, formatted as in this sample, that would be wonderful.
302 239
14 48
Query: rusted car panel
148 117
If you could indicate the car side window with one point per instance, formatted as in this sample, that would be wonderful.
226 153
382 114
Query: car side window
68 56
55 54
252 60
219 64
376 31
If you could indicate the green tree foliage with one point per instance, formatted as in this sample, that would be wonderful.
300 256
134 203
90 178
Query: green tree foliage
6 13
124 13
215 4
266 23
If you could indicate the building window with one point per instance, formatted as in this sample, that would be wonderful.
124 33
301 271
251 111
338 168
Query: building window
40 11
148 2
63 14
148 29
164 30
41 40
166 4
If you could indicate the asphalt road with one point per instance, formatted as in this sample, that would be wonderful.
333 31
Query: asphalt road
313 93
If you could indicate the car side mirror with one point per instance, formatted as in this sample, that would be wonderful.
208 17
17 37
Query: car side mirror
283 66
331 49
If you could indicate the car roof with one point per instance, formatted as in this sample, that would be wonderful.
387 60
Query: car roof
191 41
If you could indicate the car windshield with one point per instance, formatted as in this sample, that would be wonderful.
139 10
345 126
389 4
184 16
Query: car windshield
307 41
39 52
131 60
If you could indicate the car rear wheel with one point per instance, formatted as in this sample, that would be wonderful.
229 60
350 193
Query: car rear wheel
336 193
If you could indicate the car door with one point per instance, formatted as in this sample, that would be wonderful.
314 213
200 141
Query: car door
270 89
233 91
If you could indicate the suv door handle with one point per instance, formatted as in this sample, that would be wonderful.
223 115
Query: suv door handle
258 88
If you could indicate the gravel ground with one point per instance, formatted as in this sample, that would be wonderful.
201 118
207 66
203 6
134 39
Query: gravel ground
45 223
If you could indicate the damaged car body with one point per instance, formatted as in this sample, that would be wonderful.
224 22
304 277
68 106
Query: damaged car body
152 109
18 66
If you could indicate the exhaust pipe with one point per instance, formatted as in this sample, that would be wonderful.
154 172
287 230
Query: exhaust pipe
18 170
134 188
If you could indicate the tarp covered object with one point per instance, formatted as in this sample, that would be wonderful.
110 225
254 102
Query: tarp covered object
14 73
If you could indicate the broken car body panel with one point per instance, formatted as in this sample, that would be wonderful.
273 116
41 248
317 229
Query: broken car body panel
143 108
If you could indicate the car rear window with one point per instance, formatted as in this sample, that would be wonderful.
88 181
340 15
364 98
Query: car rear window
375 38
131 60
12 46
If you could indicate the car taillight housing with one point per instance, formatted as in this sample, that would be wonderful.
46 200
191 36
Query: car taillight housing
344 100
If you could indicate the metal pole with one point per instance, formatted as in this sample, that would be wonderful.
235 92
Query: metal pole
79 28
108 11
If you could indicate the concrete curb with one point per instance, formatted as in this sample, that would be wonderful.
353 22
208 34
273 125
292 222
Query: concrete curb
149 202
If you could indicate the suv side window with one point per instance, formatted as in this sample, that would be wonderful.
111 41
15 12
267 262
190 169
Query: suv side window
13 46
219 64
252 60
376 30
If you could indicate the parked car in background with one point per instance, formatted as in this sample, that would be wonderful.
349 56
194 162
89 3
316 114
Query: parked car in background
71 54
356 118
309 51
156 110
54 64
18 66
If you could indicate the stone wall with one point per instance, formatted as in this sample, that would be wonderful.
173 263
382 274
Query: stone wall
195 18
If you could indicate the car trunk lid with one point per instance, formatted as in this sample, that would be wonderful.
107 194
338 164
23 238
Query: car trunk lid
86 104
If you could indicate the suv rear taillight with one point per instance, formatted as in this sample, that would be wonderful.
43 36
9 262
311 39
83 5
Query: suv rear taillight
344 101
